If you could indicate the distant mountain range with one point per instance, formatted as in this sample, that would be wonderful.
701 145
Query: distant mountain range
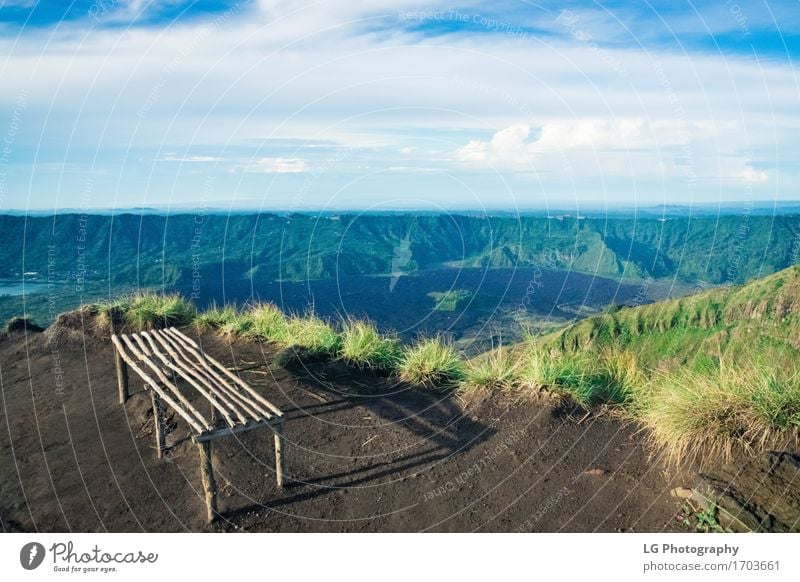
102 255
575 208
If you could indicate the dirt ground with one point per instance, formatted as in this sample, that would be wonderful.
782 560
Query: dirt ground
364 454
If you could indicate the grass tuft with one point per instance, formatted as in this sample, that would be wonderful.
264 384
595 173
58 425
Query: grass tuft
266 321
363 346
498 369
145 311
218 318
608 378
311 334
431 362
718 412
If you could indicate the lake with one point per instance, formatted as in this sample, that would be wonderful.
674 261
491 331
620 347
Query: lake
16 287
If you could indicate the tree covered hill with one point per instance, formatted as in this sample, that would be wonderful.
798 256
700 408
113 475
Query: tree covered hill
158 250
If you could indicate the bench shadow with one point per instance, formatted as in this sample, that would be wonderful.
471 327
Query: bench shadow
436 417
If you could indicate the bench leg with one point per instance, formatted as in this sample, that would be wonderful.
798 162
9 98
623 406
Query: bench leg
207 474
158 422
279 454
122 377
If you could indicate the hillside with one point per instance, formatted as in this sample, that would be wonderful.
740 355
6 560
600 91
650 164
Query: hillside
758 319
728 428
365 452
154 249
207 255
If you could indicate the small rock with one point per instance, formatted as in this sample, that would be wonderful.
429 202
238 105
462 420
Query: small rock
681 493
594 472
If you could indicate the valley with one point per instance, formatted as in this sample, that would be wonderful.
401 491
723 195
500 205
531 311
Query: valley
514 273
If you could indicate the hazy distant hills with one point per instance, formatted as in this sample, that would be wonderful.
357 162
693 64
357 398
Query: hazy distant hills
147 250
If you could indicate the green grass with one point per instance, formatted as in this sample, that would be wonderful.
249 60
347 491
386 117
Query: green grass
363 346
724 319
311 334
449 300
431 362
266 321
498 369
219 318
742 407
146 311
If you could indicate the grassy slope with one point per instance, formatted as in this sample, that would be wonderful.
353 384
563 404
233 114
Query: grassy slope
713 374
760 318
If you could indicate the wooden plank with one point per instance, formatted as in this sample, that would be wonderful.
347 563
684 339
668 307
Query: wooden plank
239 428
201 358
175 332
129 343
219 383
154 385
178 366
200 366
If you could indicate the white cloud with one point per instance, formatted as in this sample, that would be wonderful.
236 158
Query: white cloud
278 166
512 148
414 169
190 159
657 149
751 175
320 73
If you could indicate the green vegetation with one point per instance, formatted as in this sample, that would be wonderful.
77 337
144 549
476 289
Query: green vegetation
607 378
364 346
709 375
223 318
145 311
498 369
746 406
267 322
311 334
431 362
131 251
696 330
449 300
703 520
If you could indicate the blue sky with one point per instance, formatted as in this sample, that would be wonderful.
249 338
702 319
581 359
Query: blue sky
296 105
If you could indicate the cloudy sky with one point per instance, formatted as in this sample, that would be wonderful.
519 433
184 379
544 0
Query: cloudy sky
386 104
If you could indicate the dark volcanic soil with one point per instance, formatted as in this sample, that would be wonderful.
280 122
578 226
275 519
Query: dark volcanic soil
364 453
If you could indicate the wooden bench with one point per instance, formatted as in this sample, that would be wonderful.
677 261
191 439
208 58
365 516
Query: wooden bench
162 358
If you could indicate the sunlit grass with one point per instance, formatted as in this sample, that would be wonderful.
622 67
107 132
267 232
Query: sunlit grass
743 407
146 311
266 321
311 334
431 362
219 318
499 369
363 346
